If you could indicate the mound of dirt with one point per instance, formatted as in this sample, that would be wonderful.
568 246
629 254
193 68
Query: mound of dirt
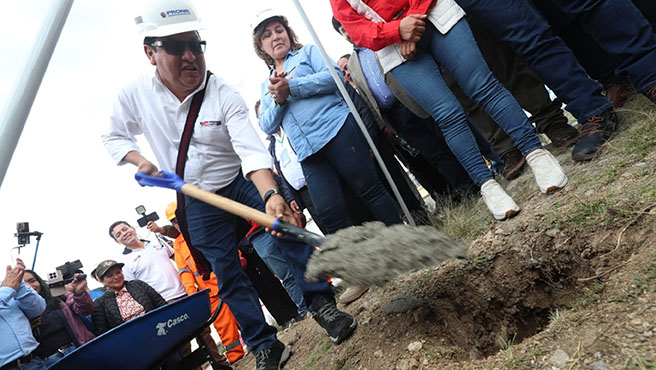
569 283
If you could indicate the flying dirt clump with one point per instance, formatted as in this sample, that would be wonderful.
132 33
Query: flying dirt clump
373 254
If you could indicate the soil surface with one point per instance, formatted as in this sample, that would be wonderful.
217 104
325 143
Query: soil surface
570 283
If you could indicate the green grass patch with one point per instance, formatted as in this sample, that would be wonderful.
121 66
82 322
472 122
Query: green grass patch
317 354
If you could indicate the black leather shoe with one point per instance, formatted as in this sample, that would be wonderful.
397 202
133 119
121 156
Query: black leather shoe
595 132
272 358
513 164
561 134
338 325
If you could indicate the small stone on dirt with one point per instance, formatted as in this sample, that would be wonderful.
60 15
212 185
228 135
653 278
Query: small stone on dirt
414 346
598 365
559 359
407 364
552 233
403 302
640 164
589 192
636 322
378 354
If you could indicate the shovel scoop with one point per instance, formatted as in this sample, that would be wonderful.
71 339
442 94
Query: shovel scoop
371 254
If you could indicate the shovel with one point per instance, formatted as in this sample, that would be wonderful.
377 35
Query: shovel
371 254
172 181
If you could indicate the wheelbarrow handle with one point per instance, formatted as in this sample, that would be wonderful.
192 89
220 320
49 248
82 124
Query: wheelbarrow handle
173 181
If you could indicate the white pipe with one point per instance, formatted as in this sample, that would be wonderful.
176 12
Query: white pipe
354 111
20 102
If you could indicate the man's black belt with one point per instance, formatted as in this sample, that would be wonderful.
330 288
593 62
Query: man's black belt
17 362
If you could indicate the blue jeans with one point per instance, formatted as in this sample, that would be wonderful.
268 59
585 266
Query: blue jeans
520 25
458 53
429 140
620 29
35 364
50 360
267 248
212 232
297 255
346 157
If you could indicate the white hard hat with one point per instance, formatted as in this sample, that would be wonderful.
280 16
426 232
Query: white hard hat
167 17
263 15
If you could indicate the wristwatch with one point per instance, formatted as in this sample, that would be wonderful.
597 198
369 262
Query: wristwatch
269 193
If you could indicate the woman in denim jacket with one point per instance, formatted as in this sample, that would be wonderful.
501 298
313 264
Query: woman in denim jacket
301 97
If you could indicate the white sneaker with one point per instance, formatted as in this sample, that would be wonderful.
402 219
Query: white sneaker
352 293
497 201
547 171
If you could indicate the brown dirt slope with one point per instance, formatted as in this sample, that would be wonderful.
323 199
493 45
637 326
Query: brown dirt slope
570 283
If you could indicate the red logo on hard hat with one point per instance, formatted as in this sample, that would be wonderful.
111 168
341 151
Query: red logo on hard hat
163 14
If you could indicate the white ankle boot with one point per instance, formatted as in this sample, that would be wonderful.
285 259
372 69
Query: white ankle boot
547 171
497 201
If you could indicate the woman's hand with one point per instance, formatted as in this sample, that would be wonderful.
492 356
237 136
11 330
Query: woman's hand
76 286
279 87
408 49
412 27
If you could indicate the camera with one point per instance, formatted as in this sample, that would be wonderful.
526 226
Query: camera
64 275
23 232
143 221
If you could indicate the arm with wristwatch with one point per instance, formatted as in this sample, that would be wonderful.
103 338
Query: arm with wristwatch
274 203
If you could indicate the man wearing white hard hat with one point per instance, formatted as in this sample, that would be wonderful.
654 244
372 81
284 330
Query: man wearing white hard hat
223 154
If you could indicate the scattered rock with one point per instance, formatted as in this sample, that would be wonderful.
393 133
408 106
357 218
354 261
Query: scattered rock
598 365
639 164
589 192
559 359
378 354
407 364
414 346
404 302
552 233
635 322
501 231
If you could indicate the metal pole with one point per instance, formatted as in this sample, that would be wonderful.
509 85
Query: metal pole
20 102
356 115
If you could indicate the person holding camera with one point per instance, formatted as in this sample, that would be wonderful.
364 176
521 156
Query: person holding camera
60 329
151 263
18 304
148 261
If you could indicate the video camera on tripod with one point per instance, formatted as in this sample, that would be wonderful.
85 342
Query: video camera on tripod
64 275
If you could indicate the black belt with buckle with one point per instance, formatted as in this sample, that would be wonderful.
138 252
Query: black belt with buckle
62 348
17 362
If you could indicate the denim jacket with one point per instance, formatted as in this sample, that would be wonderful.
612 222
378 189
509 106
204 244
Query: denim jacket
314 111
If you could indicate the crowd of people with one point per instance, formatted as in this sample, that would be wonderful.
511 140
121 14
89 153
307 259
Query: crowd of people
440 86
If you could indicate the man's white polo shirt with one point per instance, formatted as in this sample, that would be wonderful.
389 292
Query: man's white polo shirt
152 264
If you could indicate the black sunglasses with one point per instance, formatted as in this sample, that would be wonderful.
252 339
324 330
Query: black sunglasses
175 47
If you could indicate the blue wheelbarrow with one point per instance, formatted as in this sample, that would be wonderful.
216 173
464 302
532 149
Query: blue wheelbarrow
149 340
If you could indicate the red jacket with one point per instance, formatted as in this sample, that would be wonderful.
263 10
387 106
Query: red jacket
376 36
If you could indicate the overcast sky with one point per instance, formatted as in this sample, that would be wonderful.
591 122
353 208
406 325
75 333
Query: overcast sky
61 180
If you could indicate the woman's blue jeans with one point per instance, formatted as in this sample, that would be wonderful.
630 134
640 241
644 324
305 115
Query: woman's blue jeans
458 53
346 157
